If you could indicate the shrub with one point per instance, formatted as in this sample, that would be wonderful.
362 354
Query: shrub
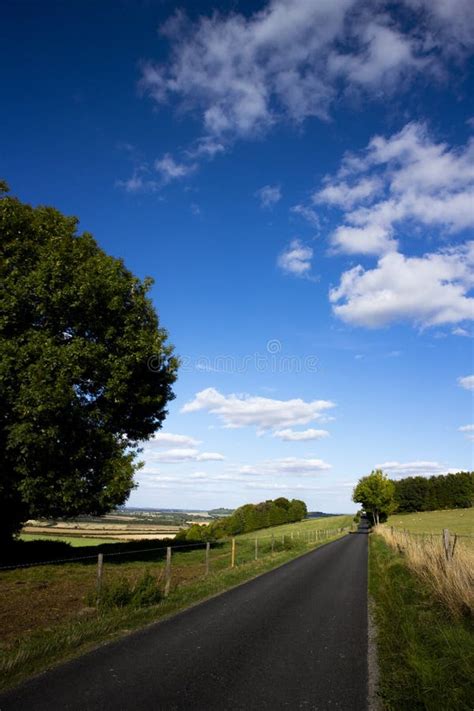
125 593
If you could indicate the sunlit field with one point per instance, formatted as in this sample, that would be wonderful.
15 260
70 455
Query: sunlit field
460 521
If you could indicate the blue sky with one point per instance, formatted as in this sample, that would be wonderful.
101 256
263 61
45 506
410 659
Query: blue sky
298 178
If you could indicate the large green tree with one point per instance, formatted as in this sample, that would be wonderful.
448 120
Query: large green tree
85 369
376 493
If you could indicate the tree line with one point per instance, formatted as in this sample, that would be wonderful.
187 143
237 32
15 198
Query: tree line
247 518
450 491
381 496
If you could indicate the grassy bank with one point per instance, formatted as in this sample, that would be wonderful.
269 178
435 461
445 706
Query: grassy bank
425 653
60 624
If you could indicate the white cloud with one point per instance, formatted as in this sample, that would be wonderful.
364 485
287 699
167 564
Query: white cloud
180 454
165 439
269 195
398 470
460 332
387 57
169 169
344 195
370 239
450 21
468 431
429 290
294 466
296 258
291 59
205 147
467 382
289 435
307 213
240 410
406 178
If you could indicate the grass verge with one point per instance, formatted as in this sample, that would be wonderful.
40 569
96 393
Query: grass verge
425 655
46 647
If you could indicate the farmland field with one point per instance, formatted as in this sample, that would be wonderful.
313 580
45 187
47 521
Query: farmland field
74 541
460 521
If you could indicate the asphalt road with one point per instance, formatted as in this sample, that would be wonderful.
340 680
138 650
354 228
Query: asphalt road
294 638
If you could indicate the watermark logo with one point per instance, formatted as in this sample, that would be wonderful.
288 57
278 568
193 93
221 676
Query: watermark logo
271 360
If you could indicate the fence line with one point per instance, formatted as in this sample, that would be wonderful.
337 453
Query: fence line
180 546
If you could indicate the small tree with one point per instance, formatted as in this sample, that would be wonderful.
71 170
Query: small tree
85 369
376 493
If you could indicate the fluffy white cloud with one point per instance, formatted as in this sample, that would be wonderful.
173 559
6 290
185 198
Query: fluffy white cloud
294 466
467 382
344 195
237 410
406 178
269 195
296 258
169 169
289 435
429 290
166 439
292 58
398 470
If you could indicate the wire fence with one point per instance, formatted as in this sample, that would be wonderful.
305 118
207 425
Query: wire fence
43 594
447 538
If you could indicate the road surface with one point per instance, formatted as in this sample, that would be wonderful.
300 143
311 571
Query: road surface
294 638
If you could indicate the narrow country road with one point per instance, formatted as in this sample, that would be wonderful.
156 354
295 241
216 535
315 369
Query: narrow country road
294 638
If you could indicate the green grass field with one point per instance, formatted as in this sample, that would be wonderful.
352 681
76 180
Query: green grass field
460 521
74 541
301 527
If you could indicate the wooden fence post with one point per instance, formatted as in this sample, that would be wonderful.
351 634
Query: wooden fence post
273 543
208 546
256 549
100 570
232 558
447 549
283 539
454 545
168 571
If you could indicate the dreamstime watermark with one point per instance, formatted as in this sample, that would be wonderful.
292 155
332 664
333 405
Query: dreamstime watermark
272 360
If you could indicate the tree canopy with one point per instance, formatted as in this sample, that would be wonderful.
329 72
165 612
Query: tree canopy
445 491
250 517
376 494
86 371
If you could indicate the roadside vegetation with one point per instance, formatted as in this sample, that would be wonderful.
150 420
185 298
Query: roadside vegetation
425 643
445 567
421 584
65 616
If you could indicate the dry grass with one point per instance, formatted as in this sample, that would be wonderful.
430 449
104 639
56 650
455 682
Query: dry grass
451 581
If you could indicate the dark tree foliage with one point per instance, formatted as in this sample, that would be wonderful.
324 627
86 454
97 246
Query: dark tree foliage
450 491
250 517
78 335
